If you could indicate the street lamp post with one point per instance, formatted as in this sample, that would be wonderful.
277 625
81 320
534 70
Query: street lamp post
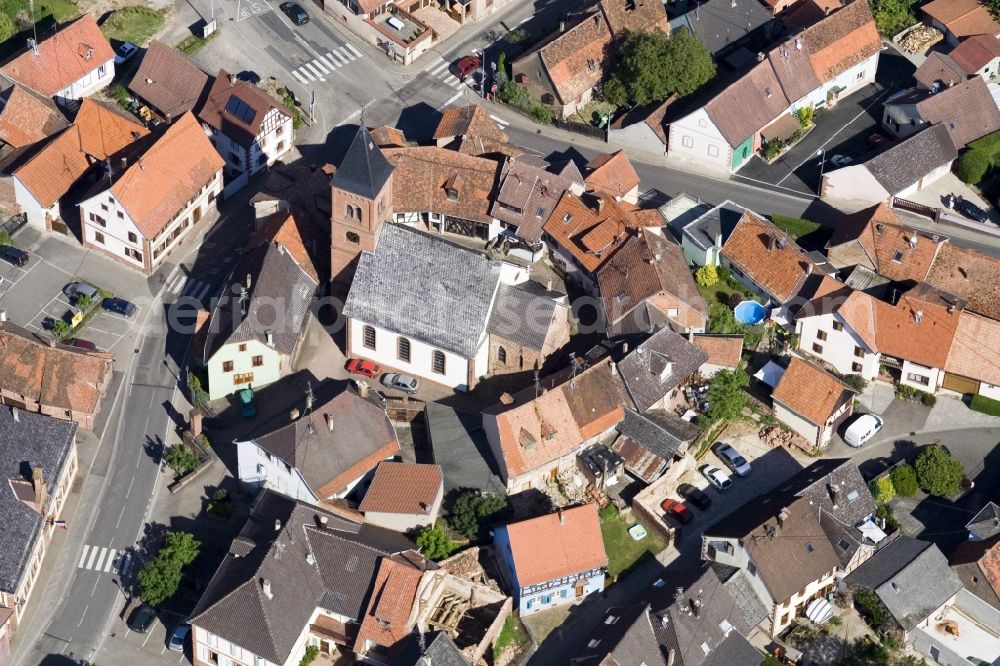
822 162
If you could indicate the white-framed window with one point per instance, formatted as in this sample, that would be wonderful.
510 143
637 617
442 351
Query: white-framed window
918 379
713 151
687 142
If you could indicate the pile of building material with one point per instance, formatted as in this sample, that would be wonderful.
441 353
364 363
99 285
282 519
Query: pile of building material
775 437
918 39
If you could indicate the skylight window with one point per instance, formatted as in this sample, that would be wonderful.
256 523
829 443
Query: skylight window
853 496
809 547
898 257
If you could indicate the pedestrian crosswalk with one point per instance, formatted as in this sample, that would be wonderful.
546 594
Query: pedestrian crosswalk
439 70
500 121
105 560
318 68
195 289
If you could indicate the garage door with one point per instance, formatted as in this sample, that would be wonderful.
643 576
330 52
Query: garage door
960 384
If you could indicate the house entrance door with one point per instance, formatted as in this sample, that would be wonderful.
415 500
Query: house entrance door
580 584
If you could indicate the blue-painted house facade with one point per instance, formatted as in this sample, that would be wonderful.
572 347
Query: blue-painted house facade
554 559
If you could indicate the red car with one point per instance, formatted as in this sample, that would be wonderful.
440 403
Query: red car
677 510
358 366
466 66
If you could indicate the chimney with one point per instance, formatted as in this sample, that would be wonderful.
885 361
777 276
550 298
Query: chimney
671 657
294 414
265 585
782 517
16 413
913 240
3 316
600 205
879 228
38 481
310 558
548 285
624 348
696 607
232 79
770 243
269 336
809 268
277 525
918 315
124 163
309 401
506 398
562 25
951 308
323 520
834 491
329 422
562 517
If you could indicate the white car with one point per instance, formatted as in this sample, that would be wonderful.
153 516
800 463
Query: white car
719 479
125 52
864 428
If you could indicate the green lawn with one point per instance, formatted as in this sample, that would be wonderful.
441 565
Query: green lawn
718 293
512 633
15 24
623 551
135 23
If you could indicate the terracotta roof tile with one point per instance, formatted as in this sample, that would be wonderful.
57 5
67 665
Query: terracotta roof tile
400 487
575 60
222 110
26 119
896 252
169 81
422 174
792 65
103 131
962 17
748 104
531 188
591 237
557 545
976 52
722 350
842 40
50 172
968 110
647 265
970 355
387 620
810 391
388 137
535 431
168 175
469 121
62 377
63 58
780 271
940 69
644 15
287 231
971 275
612 173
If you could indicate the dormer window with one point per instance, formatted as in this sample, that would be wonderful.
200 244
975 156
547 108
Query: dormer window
567 217
451 188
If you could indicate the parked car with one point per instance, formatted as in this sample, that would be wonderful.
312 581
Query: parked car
466 66
295 12
841 160
877 139
862 429
142 618
80 343
871 468
694 495
719 479
362 366
74 290
404 383
677 511
14 255
732 458
247 406
971 211
178 638
119 306
125 52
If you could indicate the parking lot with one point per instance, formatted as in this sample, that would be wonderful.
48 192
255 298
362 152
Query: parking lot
125 646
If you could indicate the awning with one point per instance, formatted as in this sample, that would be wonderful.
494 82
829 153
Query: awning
783 128
770 374
871 531
819 611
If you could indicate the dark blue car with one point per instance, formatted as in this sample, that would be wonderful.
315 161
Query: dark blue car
119 305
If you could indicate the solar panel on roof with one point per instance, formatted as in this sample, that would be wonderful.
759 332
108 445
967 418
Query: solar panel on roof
239 109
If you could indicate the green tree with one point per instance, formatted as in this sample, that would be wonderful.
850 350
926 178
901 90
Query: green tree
892 16
502 63
706 276
938 472
613 91
472 511
871 607
7 27
722 320
181 458
726 394
805 116
904 480
60 327
84 302
884 490
312 651
161 576
972 166
433 543
652 66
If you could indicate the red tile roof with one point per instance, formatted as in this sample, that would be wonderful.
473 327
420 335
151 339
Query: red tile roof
940 69
612 173
575 59
722 350
589 235
962 17
422 175
51 171
557 545
217 113
976 52
104 131
810 391
169 81
390 614
748 104
400 487
287 231
969 356
970 275
26 119
894 251
63 58
167 176
842 40
754 247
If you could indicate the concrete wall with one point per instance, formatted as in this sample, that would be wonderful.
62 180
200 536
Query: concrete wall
29 205
989 390
222 383
403 522
638 136
839 346
912 371
694 139
810 431
89 83
257 468
853 184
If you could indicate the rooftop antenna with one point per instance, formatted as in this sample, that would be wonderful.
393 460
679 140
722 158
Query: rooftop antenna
538 386
34 30
309 397
572 379
244 297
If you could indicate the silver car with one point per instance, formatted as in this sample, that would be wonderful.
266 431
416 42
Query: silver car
732 459
404 383
717 478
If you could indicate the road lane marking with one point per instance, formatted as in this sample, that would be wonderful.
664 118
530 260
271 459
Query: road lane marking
345 54
118 524
82 615
129 493
444 63
314 70
354 50
307 74
100 559
83 557
328 61
434 63
338 58
301 78
454 97
111 561
500 121
321 66
93 554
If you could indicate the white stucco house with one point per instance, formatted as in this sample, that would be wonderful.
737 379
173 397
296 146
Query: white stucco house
258 323
250 130
321 450
74 62
420 304
811 401
155 199
824 63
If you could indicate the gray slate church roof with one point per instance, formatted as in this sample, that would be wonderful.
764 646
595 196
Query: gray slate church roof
425 287
33 440
364 169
